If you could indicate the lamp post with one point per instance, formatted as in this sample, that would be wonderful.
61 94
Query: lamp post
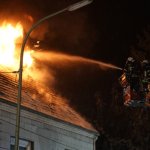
70 8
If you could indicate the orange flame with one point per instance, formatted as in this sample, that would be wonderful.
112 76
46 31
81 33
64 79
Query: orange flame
9 36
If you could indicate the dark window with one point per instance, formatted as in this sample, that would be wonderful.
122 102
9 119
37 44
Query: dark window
23 144
20 148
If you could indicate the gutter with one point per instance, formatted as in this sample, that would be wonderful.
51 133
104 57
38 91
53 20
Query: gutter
94 142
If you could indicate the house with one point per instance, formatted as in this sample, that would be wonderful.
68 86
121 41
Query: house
47 122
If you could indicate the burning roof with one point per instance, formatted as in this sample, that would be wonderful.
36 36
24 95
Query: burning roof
38 97
35 96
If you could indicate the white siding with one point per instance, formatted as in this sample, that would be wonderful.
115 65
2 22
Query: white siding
55 138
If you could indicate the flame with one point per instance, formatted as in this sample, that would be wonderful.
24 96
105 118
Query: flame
27 59
9 37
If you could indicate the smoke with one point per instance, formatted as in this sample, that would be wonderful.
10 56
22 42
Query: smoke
25 12
70 32
61 71
52 69
41 74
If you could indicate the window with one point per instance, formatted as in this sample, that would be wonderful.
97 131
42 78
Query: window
23 144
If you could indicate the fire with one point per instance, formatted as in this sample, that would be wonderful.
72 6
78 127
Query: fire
27 60
9 37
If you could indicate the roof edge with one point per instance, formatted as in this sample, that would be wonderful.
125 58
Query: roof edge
49 117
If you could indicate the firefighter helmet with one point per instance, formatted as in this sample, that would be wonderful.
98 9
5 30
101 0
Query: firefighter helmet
145 61
130 58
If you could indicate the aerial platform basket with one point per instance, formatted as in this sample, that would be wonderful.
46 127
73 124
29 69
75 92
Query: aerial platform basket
130 96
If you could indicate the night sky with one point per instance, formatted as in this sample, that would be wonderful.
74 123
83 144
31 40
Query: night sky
117 24
103 31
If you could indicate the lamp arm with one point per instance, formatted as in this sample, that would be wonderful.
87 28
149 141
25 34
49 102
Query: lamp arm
20 75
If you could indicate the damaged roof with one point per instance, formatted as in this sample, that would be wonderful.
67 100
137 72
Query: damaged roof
38 97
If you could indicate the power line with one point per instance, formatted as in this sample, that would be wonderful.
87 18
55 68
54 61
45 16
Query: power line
39 135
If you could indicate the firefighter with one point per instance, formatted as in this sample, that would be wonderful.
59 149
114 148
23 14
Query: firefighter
135 76
132 70
132 67
145 74
128 65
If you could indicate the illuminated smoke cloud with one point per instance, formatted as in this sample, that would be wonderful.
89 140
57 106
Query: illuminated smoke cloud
68 32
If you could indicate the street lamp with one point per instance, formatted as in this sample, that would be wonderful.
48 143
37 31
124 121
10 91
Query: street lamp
70 8
79 5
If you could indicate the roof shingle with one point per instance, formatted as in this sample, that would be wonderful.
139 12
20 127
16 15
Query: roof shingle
38 97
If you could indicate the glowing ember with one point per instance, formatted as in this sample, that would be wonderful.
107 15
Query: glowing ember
9 36
29 17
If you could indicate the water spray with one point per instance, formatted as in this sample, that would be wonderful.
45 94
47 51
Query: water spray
59 57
